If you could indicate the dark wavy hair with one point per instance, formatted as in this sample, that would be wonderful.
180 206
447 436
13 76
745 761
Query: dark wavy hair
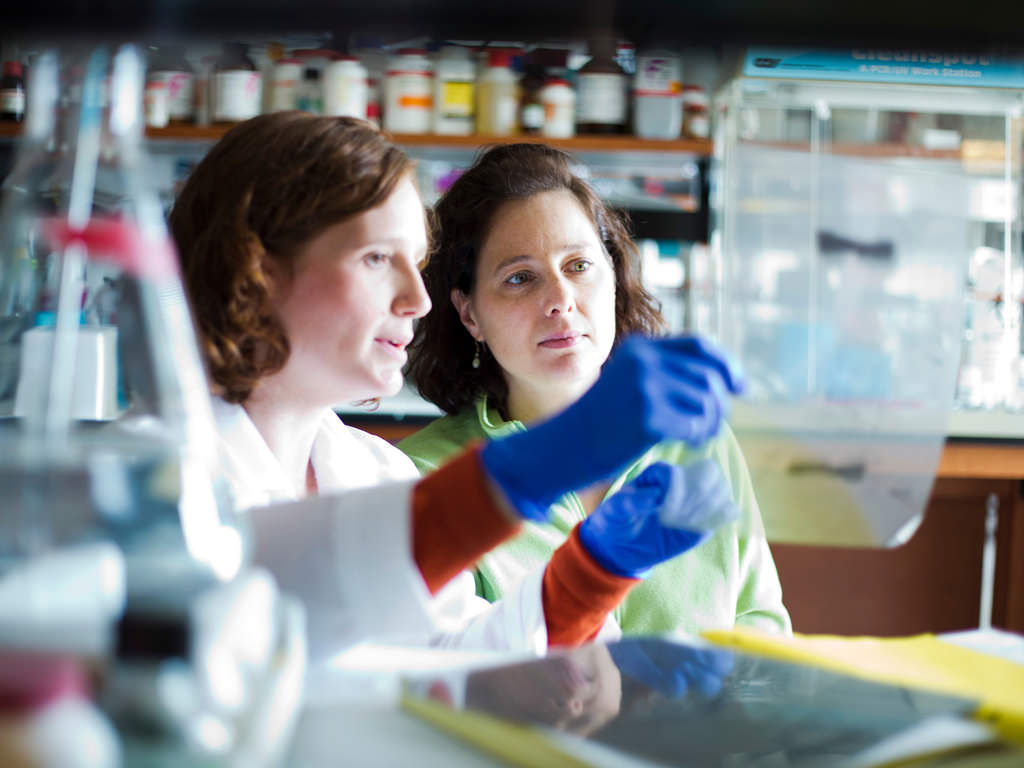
442 351
268 187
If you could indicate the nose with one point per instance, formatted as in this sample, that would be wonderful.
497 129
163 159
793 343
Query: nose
411 298
559 297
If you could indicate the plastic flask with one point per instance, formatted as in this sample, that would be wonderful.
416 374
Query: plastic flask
498 101
454 92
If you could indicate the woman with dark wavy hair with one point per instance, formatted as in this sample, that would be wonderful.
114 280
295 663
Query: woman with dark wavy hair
301 239
534 283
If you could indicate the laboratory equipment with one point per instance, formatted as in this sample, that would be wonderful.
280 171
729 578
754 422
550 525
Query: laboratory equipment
845 217
116 542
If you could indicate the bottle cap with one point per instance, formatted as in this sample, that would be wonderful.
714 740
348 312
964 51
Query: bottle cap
499 58
12 69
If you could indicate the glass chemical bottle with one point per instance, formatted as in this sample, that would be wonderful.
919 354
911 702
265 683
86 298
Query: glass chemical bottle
601 89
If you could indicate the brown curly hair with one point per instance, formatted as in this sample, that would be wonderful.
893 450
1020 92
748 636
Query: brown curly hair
268 187
442 350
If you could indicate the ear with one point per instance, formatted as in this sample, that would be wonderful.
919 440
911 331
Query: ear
464 306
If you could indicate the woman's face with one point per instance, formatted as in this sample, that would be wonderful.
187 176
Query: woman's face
349 306
544 299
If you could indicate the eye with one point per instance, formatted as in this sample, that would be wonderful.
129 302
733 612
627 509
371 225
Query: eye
580 265
517 278
376 258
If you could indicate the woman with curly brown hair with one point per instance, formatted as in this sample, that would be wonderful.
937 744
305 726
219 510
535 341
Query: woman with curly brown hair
533 283
301 239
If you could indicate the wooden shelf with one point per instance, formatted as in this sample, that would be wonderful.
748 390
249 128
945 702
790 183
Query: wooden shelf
982 460
209 133
584 143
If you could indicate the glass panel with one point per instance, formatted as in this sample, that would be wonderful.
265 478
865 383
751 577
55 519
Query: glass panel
844 227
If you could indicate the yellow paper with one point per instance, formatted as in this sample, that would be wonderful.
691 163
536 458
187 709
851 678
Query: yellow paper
921 661
516 744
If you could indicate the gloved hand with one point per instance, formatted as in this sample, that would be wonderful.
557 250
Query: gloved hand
671 668
649 390
665 511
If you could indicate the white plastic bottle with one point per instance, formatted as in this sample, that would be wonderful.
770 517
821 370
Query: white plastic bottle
454 92
498 100
657 96
345 88
559 101
285 88
236 86
408 92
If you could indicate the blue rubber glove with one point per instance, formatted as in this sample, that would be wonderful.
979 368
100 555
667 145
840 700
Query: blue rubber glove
672 669
649 390
665 511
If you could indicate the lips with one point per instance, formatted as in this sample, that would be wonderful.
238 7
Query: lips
396 343
562 340
394 347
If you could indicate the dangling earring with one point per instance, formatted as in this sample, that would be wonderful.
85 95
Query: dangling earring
476 355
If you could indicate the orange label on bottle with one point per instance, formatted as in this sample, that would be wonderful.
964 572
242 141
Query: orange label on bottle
415 101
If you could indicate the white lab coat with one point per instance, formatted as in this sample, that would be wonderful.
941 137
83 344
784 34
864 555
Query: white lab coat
348 556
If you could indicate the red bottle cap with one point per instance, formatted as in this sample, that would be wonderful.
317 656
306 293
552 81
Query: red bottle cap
499 58
12 68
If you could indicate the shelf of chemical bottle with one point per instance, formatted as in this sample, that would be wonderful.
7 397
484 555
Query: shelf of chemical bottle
583 143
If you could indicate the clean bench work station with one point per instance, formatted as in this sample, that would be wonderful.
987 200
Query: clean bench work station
849 229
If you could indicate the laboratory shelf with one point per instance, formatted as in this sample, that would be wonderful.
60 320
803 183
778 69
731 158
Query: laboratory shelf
584 143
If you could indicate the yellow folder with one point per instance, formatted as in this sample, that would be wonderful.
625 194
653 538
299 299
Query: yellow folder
921 661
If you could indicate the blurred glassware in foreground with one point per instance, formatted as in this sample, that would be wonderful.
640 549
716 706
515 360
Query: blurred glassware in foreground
115 539
111 435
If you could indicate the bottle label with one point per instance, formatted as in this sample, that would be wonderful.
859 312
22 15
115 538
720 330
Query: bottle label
408 103
12 101
284 95
456 99
236 95
602 99
657 76
345 97
180 92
